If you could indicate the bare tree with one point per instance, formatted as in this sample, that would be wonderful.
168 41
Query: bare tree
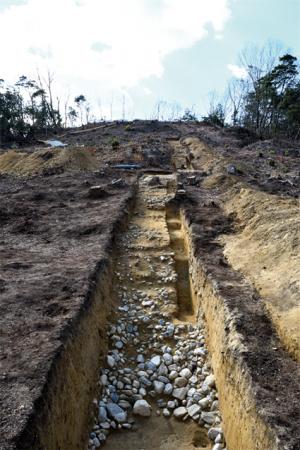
258 61
66 104
236 91
47 81
123 107
111 106
173 111
87 108
218 101
80 101
99 102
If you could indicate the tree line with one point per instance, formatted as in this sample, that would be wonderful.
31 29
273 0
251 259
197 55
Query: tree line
267 99
28 109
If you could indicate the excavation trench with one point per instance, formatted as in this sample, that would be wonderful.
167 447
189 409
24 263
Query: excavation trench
157 318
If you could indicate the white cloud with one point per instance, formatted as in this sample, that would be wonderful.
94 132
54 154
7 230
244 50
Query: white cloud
103 45
237 71
147 91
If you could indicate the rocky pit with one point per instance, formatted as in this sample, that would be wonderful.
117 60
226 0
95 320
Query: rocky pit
143 335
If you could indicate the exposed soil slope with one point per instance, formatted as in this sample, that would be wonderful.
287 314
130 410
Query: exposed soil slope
266 248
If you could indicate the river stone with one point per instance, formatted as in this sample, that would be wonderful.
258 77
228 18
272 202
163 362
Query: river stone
111 361
163 379
204 402
180 382
180 412
193 410
150 366
218 447
140 358
219 439
199 351
213 433
116 412
156 360
170 330
173 375
114 396
145 381
103 379
142 408
208 417
142 391
96 442
166 412
120 385
186 373
129 328
124 404
119 345
209 381
162 370
168 389
158 386
102 414
215 406
171 404
191 392
102 437
180 393
142 373
168 359
193 379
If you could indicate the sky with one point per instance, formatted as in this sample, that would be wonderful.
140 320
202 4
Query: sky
129 56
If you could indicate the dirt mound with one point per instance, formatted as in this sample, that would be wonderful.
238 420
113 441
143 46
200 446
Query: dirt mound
267 249
48 161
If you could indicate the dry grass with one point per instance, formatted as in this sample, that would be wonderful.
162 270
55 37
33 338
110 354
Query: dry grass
20 163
